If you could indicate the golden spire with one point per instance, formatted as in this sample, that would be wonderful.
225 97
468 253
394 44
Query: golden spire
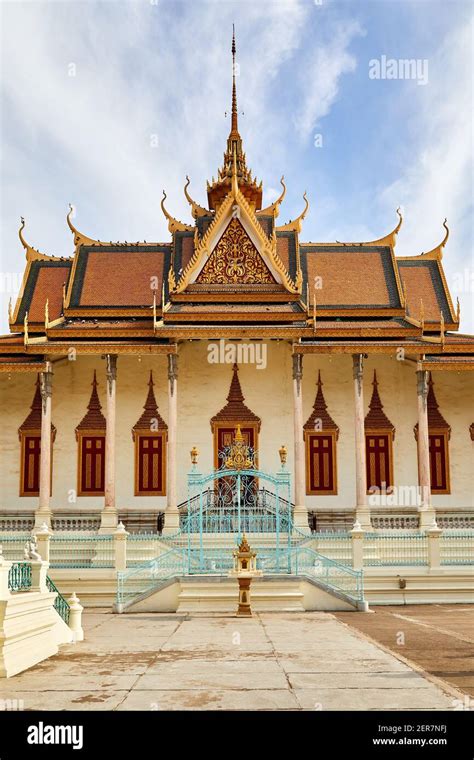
234 131
218 189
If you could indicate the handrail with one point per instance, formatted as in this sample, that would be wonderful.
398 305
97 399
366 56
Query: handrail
19 576
61 605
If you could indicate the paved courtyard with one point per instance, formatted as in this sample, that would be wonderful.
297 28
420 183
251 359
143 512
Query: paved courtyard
297 661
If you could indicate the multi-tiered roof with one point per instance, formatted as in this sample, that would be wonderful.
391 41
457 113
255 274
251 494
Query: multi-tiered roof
234 272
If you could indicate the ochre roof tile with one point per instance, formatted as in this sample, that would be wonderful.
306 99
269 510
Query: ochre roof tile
49 285
122 278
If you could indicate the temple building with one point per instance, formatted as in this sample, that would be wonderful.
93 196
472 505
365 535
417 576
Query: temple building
128 364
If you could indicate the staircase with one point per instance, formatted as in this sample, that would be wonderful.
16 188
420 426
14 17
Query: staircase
197 557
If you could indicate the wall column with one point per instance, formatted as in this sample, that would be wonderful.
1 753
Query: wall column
362 509
172 514
300 512
426 511
108 521
43 513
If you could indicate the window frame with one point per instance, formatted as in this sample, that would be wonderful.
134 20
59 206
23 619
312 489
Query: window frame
308 435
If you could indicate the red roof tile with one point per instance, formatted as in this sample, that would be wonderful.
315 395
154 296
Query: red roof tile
49 285
122 278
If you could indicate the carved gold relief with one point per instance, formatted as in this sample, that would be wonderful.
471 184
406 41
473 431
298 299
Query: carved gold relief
235 260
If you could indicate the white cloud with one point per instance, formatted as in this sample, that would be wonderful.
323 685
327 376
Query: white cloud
322 70
437 183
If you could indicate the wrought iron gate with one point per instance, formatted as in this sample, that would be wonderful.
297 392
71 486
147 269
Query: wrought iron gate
236 498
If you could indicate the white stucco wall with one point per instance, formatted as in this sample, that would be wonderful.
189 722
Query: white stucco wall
202 391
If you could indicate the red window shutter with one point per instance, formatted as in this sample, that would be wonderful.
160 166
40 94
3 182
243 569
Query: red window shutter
321 460
377 453
150 464
438 462
92 475
31 465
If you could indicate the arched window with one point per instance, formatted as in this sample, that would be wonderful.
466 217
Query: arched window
29 434
90 436
379 436
150 436
320 435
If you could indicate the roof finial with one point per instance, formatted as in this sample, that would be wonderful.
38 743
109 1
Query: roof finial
234 126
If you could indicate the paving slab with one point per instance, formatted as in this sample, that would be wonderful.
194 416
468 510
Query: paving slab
271 661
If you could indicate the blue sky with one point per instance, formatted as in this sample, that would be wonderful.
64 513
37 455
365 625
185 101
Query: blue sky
106 103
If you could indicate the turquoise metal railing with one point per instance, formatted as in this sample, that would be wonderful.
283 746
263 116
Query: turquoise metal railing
133 583
457 547
13 545
19 579
19 576
332 574
395 547
60 604
296 560
82 552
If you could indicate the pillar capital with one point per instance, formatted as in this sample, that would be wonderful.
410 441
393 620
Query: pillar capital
172 369
298 370
46 384
111 370
422 385
358 369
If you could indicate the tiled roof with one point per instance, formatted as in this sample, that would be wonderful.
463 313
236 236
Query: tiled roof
45 281
423 281
350 276
93 419
235 410
151 419
320 419
376 419
124 276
